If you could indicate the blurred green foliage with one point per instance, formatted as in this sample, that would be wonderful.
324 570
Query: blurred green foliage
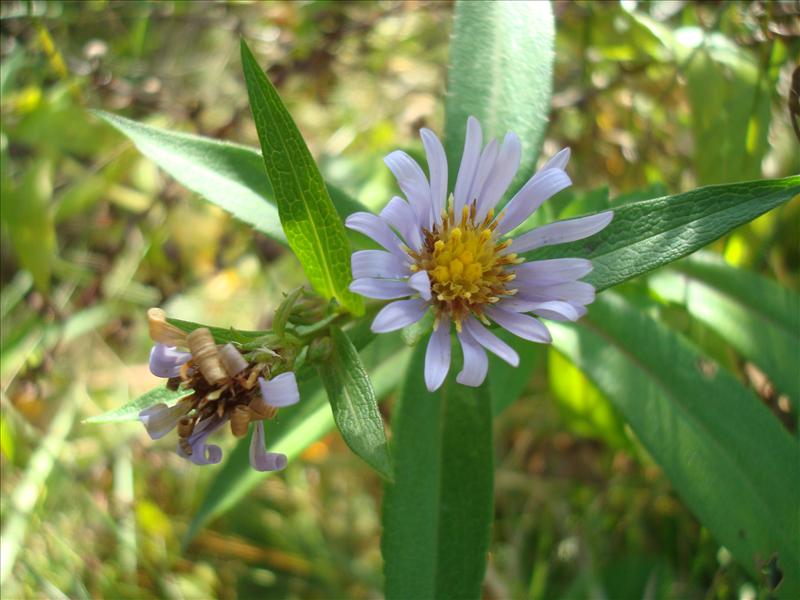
658 97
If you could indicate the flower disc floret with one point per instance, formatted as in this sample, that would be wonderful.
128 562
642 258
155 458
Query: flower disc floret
465 264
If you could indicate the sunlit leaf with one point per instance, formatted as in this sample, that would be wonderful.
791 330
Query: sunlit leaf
313 229
438 512
755 315
729 92
353 403
130 412
501 72
229 175
727 456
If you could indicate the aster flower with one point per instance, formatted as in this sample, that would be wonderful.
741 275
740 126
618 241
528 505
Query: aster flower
455 256
226 390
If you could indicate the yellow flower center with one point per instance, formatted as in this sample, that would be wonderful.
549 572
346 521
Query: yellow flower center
465 266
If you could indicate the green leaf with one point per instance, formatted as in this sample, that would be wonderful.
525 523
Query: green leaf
648 234
438 512
228 175
729 93
501 72
313 229
727 456
755 315
27 216
130 412
221 335
355 409
295 429
507 383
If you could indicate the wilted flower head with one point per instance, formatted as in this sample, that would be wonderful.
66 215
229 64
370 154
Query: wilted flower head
225 389
456 257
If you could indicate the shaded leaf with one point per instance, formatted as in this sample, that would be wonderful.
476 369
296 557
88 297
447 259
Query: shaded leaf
647 234
438 512
352 400
507 383
727 456
222 335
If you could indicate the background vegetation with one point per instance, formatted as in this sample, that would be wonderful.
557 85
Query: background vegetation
93 234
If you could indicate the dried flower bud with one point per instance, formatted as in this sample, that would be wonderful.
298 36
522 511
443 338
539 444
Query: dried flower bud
232 360
240 420
205 355
185 427
261 410
163 332
185 446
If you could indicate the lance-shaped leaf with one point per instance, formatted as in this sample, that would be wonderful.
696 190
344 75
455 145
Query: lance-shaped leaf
438 512
648 234
313 229
130 411
501 72
728 457
353 403
756 316
228 175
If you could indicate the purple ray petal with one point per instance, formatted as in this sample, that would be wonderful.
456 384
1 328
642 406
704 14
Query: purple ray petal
376 228
522 326
556 270
202 453
260 459
490 341
557 310
561 232
381 289
505 167
559 161
532 195
160 419
476 363
400 215
166 361
377 263
437 167
485 167
398 315
574 292
437 355
469 163
422 283
279 391
411 179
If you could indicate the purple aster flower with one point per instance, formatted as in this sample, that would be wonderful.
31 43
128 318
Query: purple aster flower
223 388
458 259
